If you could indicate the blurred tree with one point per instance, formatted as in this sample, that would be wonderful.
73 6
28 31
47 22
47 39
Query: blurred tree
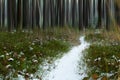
19 14
108 14
73 12
10 15
25 13
34 13
37 13
117 11
0 13
3 13
99 24
80 14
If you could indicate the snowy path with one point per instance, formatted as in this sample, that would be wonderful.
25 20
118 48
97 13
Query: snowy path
67 66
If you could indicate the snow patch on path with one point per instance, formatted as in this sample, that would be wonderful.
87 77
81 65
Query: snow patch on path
67 67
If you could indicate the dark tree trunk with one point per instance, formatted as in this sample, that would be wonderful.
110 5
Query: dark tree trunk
107 15
59 12
103 9
85 16
25 13
14 13
80 14
37 13
0 12
33 13
51 12
67 12
10 15
73 12
63 13
117 13
56 12
3 13
99 24
94 7
19 15
44 14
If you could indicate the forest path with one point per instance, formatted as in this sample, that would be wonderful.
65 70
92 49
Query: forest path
67 67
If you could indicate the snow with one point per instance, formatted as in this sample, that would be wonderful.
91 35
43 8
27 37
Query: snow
67 67
20 77
8 66
2 56
10 59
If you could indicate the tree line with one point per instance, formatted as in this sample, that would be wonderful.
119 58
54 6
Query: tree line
30 14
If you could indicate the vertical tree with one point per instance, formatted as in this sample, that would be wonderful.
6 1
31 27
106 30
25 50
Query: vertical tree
19 14
10 15
56 12
38 13
3 13
0 12
33 13
73 12
94 7
87 10
67 11
117 11
103 9
44 14
52 12
103 13
25 13
30 14
85 13
80 14
99 14
59 11
62 12
14 13
107 14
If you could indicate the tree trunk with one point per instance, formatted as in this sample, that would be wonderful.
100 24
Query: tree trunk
117 12
19 15
25 13
3 13
10 15
80 14
44 14
37 13
73 12
99 14
107 14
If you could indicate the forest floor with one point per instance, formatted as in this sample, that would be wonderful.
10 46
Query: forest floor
46 55
66 68
22 52
103 55
101 60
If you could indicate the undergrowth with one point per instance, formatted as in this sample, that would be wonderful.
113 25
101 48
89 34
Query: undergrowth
102 57
22 52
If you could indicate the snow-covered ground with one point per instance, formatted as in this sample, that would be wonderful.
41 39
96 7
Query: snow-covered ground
67 67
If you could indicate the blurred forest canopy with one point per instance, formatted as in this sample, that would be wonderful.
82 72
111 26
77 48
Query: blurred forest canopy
30 14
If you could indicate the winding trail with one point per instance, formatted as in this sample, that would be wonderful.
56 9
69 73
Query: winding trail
67 67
